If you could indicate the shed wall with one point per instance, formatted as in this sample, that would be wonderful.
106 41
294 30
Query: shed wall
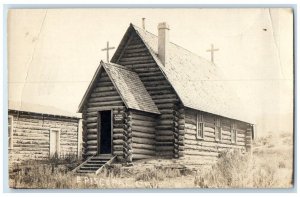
31 136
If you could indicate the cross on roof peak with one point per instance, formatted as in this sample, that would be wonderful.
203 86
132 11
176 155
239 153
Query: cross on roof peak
107 51
212 50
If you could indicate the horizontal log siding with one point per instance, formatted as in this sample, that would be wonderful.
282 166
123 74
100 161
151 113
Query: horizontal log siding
248 139
120 137
180 118
31 136
137 57
104 96
143 134
208 148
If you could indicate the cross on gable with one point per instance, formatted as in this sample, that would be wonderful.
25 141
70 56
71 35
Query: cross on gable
212 50
107 51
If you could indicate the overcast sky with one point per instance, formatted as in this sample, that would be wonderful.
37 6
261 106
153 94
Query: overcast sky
54 53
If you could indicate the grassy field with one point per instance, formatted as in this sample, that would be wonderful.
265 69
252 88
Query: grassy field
270 166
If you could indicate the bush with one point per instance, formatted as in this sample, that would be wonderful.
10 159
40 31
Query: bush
231 170
237 170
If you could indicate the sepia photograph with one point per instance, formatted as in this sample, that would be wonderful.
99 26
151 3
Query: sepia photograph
113 98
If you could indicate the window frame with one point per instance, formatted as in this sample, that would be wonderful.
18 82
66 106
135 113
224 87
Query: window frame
11 132
199 126
233 132
218 130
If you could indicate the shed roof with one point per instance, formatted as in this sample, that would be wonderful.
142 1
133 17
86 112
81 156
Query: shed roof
128 85
40 109
197 82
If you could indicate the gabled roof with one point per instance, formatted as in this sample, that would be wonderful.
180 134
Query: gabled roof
128 85
40 109
197 82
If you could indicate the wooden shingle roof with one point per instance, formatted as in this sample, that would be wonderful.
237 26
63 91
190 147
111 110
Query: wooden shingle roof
197 82
131 88
128 85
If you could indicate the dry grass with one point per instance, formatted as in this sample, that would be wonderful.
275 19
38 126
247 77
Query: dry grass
270 166
235 170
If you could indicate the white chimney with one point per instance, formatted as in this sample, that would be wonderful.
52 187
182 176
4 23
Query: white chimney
163 41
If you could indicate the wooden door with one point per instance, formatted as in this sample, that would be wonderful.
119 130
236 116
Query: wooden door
104 132
54 142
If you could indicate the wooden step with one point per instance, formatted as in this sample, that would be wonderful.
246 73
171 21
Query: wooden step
98 160
93 164
101 158
89 168
108 157
85 171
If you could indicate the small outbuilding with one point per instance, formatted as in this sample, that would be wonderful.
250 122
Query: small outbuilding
37 132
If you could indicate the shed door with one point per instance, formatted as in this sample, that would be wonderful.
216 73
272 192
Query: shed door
54 142
104 133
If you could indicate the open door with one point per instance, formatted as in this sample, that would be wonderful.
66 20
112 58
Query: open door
104 132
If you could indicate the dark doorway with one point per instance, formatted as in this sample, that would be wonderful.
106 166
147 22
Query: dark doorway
104 132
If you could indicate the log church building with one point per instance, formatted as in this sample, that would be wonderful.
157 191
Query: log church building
157 99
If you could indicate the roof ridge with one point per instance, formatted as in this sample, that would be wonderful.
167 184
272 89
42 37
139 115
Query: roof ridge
135 26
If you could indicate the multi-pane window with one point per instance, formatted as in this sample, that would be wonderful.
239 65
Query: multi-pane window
10 132
200 127
233 133
218 130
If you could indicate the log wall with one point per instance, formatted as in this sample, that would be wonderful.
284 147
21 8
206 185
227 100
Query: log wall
128 137
143 134
31 136
206 150
104 96
120 134
137 57
179 117
248 140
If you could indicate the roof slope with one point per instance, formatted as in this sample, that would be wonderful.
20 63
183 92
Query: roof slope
131 88
128 85
40 109
197 82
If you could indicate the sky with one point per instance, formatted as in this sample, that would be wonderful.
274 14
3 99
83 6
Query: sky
54 53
